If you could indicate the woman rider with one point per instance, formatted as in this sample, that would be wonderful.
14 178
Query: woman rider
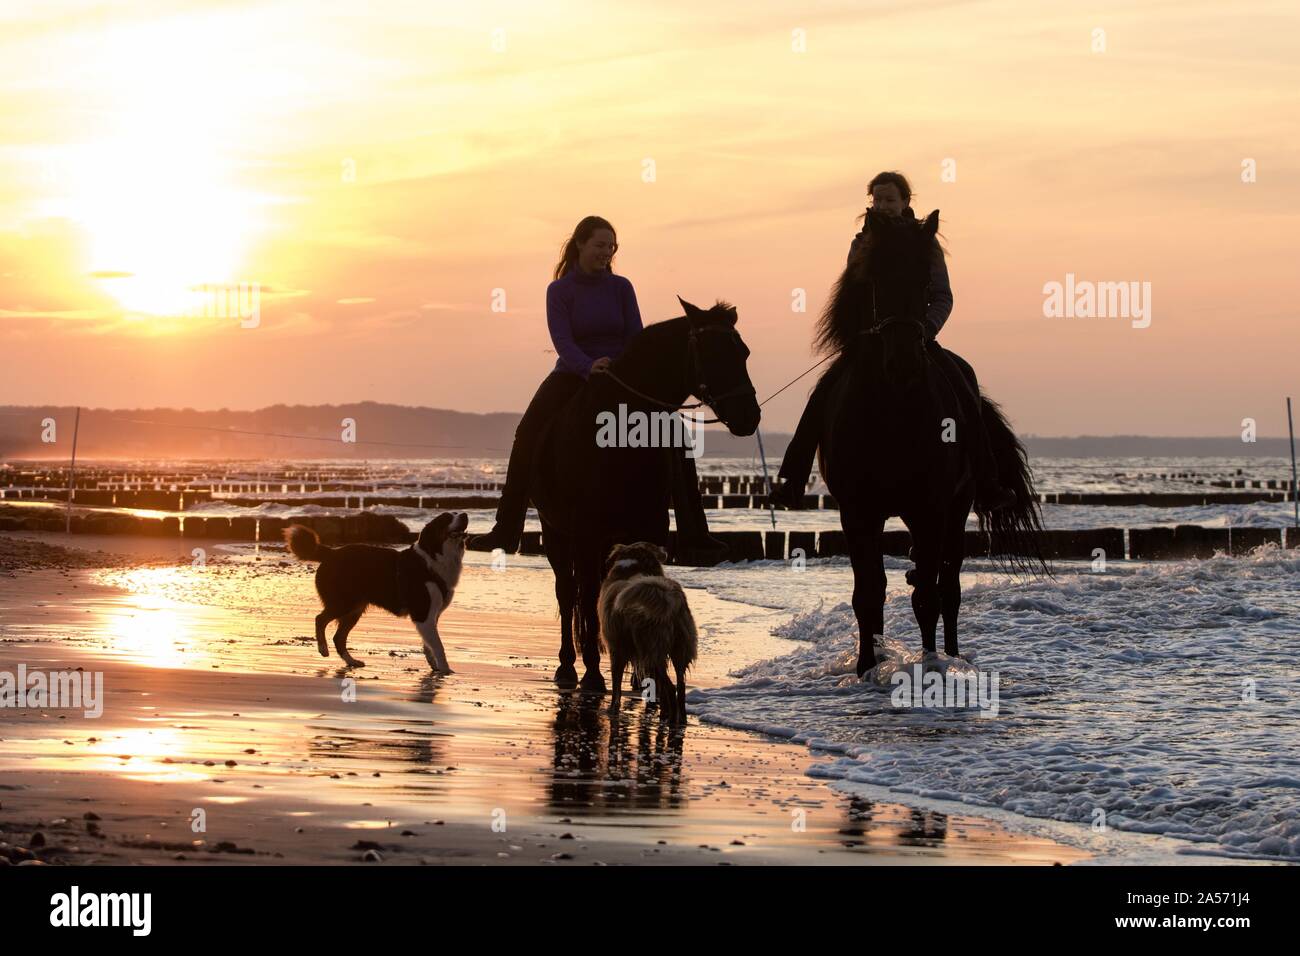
891 194
592 316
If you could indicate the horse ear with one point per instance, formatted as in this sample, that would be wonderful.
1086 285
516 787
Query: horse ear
931 225
690 309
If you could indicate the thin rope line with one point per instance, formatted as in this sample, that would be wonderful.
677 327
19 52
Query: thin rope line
795 379
245 431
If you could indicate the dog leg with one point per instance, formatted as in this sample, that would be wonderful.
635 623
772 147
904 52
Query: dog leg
667 696
322 621
346 624
681 695
616 665
428 628
680 665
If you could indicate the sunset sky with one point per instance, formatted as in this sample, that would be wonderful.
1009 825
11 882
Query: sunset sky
379 168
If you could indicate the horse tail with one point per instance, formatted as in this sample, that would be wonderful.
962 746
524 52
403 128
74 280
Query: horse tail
1015 533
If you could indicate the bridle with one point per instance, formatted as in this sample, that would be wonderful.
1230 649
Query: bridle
694 374
878 324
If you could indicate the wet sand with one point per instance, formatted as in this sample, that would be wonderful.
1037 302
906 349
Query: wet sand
219 710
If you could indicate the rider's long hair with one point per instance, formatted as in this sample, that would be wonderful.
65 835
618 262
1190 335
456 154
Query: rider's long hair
581 233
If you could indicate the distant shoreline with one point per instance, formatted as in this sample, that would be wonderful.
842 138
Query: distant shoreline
387 431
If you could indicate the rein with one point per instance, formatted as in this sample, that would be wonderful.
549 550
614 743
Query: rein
701 389
878 326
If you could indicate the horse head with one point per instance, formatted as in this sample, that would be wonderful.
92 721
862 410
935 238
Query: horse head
716 370
896 263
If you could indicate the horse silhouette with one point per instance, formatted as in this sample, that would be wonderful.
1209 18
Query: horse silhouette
590 498
894 441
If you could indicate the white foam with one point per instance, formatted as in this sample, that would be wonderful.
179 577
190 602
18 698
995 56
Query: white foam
1124 692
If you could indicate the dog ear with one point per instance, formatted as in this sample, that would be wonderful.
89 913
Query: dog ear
659 553
614 553
436 529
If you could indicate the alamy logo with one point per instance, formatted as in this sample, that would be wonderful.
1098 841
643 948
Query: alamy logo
235 300
55 690
638 429
1083 299
955 688
103 909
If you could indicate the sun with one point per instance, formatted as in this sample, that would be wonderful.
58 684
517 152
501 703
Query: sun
160 224
156 192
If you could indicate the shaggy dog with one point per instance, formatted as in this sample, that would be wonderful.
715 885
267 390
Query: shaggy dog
645 621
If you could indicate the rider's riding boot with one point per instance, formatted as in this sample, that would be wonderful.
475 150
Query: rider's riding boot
511 511
555 390
694 543
498 537
788 494
796 463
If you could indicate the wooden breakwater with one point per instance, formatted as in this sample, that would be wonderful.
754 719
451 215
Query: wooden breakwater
347 486
1155 543
463 499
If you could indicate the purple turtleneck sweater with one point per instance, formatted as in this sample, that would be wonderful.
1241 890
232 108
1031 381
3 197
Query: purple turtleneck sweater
590 317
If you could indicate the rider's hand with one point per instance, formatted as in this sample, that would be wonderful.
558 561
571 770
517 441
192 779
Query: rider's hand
600 365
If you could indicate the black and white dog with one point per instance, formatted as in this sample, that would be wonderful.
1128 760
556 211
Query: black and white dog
418 581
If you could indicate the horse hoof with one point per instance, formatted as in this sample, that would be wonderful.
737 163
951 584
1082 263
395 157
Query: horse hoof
593 681
566 675
865 665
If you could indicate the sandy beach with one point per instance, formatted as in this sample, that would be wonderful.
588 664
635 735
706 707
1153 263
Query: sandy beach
226 739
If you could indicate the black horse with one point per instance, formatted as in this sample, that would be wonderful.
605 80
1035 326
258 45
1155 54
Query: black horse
593 494
893 440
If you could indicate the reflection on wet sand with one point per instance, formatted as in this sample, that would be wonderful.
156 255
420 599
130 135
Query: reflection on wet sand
216 698
916 827
605 764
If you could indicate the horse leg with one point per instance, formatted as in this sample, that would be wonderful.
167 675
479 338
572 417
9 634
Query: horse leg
924 578
588 566
559 552
868 585
953 550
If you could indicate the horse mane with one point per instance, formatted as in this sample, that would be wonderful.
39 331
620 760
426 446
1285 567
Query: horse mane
844 317
719 311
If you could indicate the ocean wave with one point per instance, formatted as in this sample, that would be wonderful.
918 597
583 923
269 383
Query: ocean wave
1157 700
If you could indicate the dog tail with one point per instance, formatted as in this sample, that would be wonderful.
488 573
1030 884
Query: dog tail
305 543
